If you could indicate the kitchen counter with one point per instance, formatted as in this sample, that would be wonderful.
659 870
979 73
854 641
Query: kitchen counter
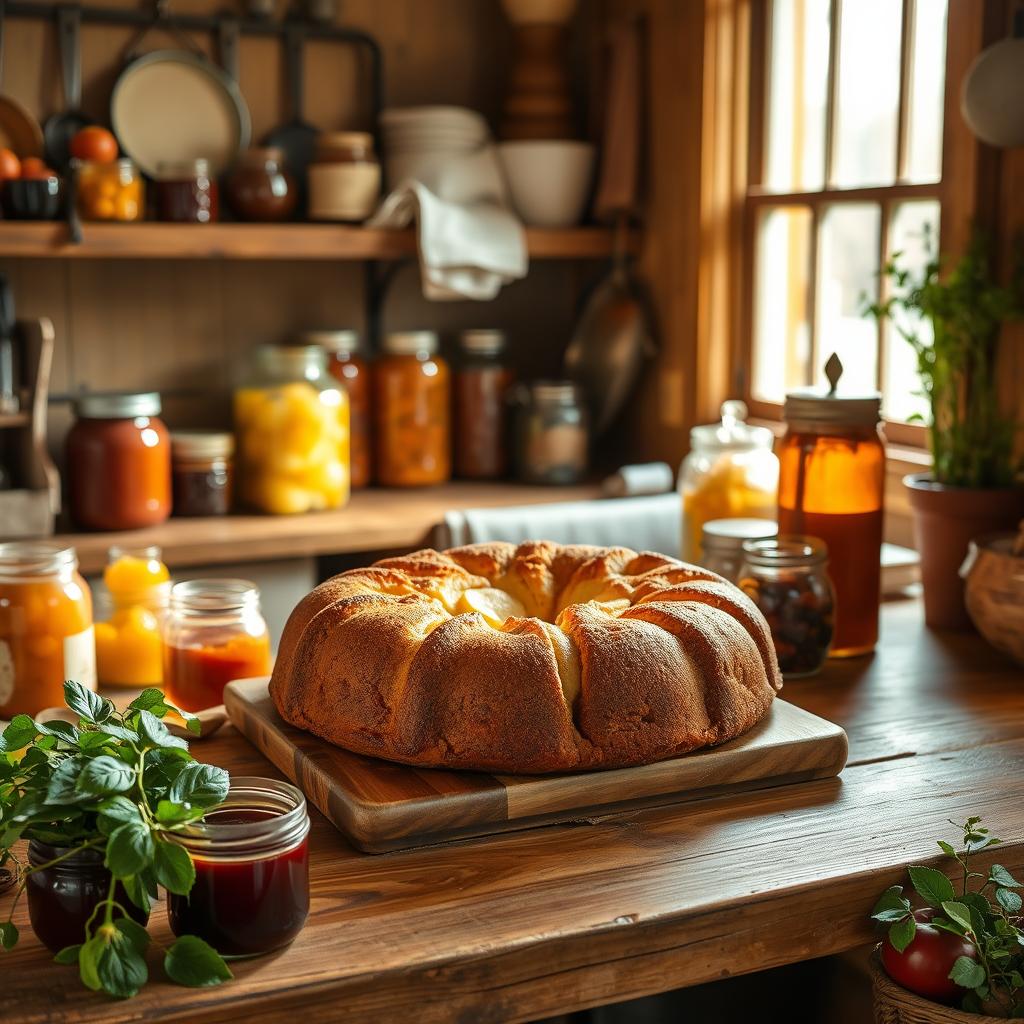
564 917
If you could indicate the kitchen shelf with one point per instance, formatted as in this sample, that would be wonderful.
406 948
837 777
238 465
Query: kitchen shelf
49 240
374 520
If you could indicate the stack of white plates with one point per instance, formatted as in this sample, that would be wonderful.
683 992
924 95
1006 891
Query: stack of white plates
416 139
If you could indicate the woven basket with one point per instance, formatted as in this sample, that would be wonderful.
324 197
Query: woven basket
895 1005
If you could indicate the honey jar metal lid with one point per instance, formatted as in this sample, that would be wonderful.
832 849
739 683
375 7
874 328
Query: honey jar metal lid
807 406
117 405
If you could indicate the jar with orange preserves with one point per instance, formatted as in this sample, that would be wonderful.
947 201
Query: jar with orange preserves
46 633
412 427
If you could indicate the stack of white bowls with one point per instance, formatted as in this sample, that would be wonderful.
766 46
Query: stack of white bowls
420 140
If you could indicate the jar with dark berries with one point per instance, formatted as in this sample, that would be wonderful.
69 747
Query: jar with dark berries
786 578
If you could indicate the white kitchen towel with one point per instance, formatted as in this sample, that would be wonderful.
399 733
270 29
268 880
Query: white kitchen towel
644 524
470 243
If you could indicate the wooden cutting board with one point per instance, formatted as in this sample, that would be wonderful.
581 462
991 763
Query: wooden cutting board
382 806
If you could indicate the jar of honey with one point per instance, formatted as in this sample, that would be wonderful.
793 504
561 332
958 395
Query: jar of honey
831 486
731 472
292 425
213 633
129 648
46 632
481 390
119 462
412 429
347 365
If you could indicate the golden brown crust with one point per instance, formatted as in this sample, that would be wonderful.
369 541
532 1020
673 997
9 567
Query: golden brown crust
621 658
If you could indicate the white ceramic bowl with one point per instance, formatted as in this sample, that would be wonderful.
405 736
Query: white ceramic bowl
549 181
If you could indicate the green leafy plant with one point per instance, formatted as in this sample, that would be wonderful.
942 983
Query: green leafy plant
972 443
986 912
119 783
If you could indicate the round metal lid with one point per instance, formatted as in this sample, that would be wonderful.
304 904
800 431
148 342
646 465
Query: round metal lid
731 533
332 339
482 341
813 405
117 405
409 343
202 444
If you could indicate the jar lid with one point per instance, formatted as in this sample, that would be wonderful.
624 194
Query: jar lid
788 551
331 339
408 343
298 361
202 444
807 406
482 341
729 534
214 595
563 392
732 432
174 170
350 144
117 405
34 558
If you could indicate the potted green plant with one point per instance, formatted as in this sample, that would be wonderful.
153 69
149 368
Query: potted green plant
99 803
974 485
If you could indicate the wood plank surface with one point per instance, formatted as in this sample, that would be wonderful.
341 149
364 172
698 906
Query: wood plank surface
381 806
553 919
374 520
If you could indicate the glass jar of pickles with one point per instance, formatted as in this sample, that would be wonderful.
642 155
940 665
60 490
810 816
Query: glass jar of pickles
46 633
412 427
731 472
129 651
292 426
110 191
213 633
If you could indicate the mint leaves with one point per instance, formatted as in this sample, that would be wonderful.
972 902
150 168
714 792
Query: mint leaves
121 784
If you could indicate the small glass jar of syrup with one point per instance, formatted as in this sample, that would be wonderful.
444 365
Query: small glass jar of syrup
251 893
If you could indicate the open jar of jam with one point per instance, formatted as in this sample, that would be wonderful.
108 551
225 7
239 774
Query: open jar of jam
213 633
186 193
46 631
786 578
481 412
251 893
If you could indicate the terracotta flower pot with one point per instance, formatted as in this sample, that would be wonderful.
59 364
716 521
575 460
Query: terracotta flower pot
945 521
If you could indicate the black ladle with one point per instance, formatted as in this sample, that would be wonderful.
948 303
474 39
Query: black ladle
60 129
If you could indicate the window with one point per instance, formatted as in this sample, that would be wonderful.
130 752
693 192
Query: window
846 154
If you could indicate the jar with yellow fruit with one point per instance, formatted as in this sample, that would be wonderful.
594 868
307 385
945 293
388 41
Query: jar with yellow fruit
110 191
730 473
292 426
129 649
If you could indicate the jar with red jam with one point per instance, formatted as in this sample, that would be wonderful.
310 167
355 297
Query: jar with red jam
251 855
481 391
119 462
186 193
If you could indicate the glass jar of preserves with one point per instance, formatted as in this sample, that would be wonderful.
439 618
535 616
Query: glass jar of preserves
344 177
46 632
119 462
213 633
412 430
110 191
202 472
730 472
831 486
251 892
129 613
291 422
552 433
786 578
481 392
186 193
347 365
722 543
260 188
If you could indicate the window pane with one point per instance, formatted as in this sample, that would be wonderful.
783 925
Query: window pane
847 278
907 235
782 337
797 91
925 96
867 101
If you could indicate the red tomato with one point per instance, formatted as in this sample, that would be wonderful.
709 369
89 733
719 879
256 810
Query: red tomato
94 143
924 966
33 167
10 165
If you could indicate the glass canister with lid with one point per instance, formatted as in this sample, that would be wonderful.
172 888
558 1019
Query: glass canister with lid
110 191
119 462
214 632
832 486
292 427
412 426
46 628
722 543
482 381
731 472
552 433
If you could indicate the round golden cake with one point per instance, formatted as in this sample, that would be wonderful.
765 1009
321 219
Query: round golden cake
528 659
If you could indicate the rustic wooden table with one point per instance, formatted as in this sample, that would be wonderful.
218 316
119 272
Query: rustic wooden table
565 917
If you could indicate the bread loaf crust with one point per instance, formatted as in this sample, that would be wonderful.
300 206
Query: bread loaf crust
647 658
